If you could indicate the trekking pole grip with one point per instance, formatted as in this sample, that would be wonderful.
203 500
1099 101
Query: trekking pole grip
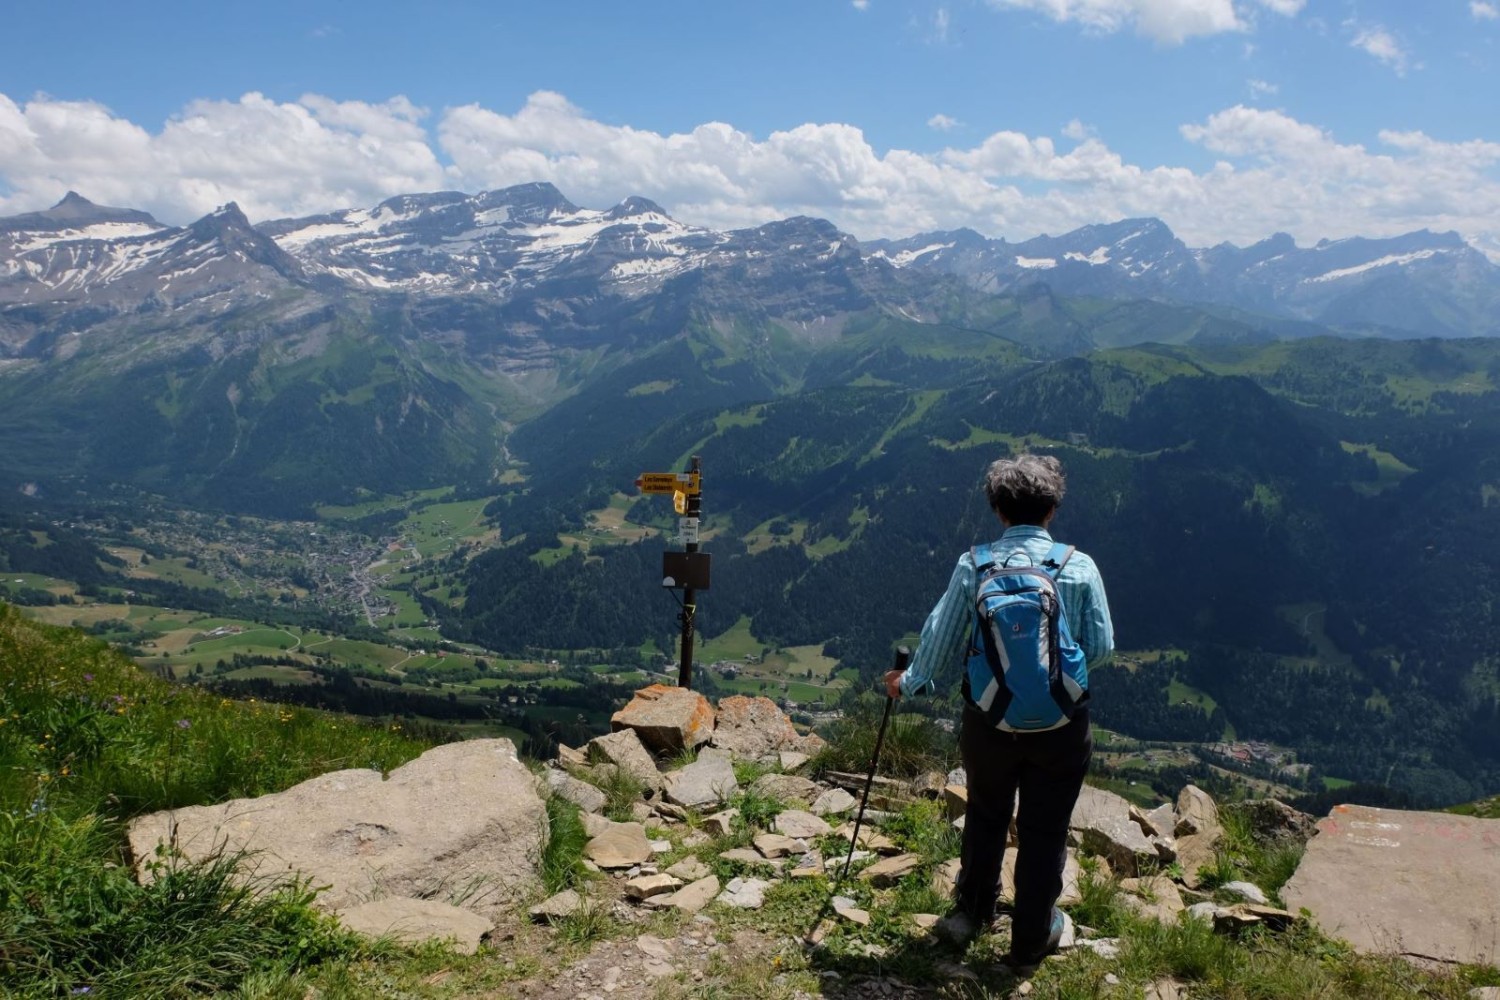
903 659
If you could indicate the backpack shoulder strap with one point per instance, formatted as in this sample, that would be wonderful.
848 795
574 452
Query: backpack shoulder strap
1057 558
983 558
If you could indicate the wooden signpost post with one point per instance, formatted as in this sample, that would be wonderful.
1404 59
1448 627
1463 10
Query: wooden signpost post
688 570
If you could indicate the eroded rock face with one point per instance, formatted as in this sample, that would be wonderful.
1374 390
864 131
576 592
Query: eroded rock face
668 720
753 727
1102 825
1416 883
464 816
1272 819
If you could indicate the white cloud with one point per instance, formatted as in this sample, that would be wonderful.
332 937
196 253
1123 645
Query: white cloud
1262 88
860 4
1168 21
941 21
294 158
1076 129
1377 41
1484 11
1286 8
1273 172
943 123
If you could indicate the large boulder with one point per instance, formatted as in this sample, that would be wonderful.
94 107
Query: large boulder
668 720
1102 825
1424 884
755 728
463 820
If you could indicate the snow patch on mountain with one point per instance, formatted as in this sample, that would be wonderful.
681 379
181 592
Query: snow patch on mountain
97 231
906 257
1386 261
1036 263
1098 257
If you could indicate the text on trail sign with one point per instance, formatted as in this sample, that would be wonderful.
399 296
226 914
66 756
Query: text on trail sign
668 482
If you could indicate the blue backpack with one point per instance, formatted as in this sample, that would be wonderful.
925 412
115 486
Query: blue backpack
1024 672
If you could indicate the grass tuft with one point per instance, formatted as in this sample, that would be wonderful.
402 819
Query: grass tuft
562 858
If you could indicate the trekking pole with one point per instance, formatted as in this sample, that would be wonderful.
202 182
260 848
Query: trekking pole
903 656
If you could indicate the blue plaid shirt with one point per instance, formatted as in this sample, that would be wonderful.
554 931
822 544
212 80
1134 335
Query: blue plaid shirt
946 634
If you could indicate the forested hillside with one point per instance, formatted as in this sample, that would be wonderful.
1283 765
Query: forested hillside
1313 525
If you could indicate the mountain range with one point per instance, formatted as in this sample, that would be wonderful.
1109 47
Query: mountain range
1258 435
79 264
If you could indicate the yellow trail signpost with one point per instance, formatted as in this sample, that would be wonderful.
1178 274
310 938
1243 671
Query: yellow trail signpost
687 570
669 482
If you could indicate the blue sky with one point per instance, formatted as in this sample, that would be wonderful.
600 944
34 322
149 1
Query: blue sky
1230 119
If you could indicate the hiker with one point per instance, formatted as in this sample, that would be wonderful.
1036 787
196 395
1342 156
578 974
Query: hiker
1042 752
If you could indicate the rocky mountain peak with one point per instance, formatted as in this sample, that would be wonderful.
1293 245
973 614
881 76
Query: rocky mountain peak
533 203
72 212
633 206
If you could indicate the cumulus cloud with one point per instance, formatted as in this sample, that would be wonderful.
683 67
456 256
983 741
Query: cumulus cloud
1170 22
1262 88
1484 11
1286 8
1272 171
1377 41
943 123
273 158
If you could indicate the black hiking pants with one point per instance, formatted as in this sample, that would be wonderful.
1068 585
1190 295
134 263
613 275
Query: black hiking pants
1047 770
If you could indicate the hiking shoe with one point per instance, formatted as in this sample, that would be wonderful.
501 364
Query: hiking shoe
1025 966
957 928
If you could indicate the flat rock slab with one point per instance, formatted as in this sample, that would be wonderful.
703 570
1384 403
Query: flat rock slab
774 845
689 869
582 794
668 720
833 802
745 893
690 898
622 845
787 788
646 886
888 871
800 825
413 921
1416 883
625 750
558 907
707 781
463 816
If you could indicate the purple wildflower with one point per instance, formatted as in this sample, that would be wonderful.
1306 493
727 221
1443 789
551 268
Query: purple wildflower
183 723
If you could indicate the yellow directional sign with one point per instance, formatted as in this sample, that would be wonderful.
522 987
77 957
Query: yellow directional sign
668 482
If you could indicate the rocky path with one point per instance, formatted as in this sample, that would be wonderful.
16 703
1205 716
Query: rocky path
704 960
